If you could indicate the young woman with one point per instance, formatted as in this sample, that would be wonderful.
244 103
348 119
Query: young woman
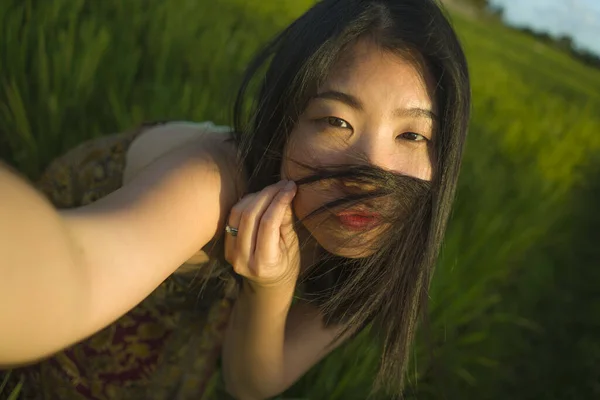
322 211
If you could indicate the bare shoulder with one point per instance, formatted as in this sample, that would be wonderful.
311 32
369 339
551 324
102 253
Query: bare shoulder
185 155
206 139
180 178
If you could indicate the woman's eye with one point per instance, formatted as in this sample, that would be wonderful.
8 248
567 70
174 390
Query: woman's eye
414 137
338 122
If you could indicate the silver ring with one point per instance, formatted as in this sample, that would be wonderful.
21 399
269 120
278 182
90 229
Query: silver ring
231 231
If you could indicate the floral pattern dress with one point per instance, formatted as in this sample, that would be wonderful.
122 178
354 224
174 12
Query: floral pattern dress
167 347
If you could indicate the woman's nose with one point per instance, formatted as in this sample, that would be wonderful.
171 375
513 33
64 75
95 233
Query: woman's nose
373 149
381 149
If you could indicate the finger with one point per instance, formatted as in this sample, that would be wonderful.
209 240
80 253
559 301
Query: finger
236 254
250 219
270 230
235 215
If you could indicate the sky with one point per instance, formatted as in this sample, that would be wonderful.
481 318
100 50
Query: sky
580 19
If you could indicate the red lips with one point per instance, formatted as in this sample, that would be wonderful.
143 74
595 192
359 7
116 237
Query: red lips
358 220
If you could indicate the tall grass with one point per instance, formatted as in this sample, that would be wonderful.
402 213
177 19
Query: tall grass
74 69
506 289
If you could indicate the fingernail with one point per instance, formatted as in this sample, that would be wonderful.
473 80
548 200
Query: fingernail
290 185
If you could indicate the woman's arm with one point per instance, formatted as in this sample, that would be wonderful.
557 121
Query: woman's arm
65 275
253 351
269 344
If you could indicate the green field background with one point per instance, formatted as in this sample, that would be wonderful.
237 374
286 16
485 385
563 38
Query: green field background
515 303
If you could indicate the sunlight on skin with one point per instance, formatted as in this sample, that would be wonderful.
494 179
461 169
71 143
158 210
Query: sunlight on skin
377 106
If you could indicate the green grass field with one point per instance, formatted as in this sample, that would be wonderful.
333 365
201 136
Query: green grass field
515 303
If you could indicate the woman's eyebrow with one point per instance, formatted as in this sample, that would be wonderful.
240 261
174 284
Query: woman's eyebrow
416 112
342 97
354 102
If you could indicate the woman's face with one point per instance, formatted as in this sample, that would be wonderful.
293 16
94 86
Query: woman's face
376 108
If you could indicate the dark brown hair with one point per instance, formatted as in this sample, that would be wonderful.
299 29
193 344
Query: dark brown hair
390 287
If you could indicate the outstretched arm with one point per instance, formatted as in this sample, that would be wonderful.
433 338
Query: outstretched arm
65 275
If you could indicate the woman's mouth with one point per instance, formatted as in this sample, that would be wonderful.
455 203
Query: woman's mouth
358 220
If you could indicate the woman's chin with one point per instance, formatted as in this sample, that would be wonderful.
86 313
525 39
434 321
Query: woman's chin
355 247
339 240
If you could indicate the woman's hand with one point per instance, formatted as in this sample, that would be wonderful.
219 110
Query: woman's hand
265 250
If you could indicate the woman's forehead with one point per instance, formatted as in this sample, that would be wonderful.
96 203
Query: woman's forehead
367 71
